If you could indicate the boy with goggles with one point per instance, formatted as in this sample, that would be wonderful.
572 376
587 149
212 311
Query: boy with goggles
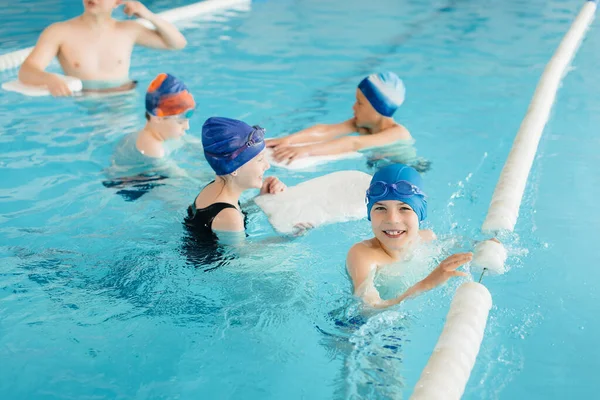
140 158
169 106
396 204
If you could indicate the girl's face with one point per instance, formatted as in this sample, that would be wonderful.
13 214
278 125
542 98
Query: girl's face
250 175
394 224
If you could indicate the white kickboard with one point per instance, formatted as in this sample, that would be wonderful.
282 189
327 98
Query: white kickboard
335 197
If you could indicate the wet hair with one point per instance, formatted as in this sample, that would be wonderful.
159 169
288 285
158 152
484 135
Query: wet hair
226 179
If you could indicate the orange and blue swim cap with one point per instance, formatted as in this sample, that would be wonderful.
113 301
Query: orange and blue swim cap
168 96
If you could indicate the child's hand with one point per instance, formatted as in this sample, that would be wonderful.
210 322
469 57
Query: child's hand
272 185
136 9
277 142
302 228
446 270
290 153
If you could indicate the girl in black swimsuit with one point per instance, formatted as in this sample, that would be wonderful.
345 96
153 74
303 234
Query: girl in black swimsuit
235 151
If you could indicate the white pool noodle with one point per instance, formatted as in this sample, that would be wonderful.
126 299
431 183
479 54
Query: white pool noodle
506 200
449 367
15 59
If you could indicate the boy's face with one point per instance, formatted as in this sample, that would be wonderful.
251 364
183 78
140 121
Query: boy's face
97 7
364 113
394 224
172 127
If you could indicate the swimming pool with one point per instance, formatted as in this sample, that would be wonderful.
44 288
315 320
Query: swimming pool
98 301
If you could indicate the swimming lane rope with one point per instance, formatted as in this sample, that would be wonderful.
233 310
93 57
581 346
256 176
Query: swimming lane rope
449 367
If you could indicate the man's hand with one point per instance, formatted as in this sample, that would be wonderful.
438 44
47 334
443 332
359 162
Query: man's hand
57 86
136 9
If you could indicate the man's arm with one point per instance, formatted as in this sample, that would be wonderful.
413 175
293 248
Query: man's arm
32 71
166 35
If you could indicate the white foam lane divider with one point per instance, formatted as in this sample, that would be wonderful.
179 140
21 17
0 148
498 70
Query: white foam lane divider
506 200
15 59
197 9
489 255
449 367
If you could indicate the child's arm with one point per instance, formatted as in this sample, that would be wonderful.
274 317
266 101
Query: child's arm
166 35
341 145
362 269
317 133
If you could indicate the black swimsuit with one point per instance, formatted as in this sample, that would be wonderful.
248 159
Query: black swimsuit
201 246
199 221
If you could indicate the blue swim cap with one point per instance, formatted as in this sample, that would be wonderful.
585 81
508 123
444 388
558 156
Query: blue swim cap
229 143
385 91
398 182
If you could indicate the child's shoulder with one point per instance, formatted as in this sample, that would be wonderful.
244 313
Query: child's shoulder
364 249
148 146
427 235
399 131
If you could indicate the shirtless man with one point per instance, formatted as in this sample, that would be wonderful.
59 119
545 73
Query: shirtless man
96 48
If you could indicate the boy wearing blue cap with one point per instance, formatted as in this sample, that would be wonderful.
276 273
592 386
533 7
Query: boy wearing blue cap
378 96
139 160
396 204
169 107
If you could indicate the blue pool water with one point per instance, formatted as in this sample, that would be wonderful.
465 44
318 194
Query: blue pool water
98 301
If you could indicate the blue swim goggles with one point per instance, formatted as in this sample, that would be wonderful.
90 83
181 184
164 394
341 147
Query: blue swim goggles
402 189
184 115
188 114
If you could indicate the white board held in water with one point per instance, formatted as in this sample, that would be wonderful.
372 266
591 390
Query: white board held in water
335 197
74 85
